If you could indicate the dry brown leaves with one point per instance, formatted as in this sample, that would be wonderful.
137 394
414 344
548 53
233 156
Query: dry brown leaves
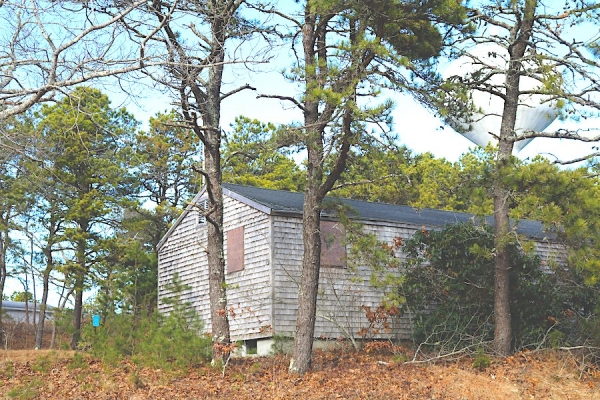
343 375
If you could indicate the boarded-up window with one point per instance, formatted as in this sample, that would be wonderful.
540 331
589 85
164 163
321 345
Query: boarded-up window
333 247
235 250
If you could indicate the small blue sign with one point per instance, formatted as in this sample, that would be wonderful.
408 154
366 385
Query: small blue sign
95 320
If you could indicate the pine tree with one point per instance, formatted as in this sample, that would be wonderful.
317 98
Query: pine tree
347 52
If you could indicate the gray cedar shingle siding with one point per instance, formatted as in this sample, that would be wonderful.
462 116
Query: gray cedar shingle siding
341 295
264 293
249 293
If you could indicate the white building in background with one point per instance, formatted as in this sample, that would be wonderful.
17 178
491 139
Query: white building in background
21 312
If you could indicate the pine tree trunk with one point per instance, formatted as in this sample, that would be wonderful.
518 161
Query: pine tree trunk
211 114
77 314
216 261
79 282
2 278
502 315
309 283
39 332
311 235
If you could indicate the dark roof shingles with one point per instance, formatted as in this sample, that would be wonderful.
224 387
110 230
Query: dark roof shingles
281 201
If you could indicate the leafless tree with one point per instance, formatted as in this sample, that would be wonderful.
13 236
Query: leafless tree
197 36
47 47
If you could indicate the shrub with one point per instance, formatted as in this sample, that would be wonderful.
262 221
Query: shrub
449 276
155 340
482 360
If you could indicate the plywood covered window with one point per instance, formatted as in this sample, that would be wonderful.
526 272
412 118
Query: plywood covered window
333 244
235 250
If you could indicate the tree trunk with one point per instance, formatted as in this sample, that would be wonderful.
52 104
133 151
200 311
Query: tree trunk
502 314
211 114
77 314
309 282
39 332
78 288
311 235
216 259
3 236
318 184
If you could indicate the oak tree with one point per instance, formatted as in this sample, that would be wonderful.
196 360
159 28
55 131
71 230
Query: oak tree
49 47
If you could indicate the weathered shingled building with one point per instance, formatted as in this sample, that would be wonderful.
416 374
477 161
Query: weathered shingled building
263 250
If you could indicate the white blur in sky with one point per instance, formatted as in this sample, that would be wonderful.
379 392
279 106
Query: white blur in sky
417 127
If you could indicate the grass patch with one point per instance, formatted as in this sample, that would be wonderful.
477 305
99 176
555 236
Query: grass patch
44 364
9 370
136 380
29 390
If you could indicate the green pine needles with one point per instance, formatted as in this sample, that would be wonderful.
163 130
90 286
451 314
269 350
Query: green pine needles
173 340
448 285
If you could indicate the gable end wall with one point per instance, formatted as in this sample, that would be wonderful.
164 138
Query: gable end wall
249 291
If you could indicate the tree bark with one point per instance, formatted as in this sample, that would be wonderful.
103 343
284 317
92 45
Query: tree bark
201 109
502 314
520 36
209 104
309 281
318 184
216 258
3 237
311 259
39 332
80 272
77 313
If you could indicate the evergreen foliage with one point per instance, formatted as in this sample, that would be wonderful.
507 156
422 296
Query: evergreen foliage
448 286
350 51
127 277
85 152
21 296
155 340
251 157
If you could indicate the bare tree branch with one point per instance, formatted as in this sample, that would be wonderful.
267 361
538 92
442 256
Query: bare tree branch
54 48
237 90
283 98
586 157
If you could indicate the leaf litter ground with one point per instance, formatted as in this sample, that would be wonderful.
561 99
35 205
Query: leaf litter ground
340 374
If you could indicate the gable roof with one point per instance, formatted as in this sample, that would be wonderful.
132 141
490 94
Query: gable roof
290 203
